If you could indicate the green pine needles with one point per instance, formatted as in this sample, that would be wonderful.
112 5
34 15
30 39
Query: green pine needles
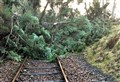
37 43
28 37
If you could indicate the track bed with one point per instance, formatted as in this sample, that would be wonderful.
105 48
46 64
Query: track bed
40 71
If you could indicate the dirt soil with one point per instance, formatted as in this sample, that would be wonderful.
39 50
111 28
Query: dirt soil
7 70
78 70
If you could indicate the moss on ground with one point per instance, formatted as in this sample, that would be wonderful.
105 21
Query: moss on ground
105 54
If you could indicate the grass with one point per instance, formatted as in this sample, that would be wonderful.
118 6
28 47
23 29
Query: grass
105 58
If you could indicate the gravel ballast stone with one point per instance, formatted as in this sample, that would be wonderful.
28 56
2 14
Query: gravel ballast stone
77 69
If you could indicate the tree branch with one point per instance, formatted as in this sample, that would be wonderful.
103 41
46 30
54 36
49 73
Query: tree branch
43 13
10 30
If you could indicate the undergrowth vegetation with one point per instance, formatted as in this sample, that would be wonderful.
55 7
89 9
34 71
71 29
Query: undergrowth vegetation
44 35
105 54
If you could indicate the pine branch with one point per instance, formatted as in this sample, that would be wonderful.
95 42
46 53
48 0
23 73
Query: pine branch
10 30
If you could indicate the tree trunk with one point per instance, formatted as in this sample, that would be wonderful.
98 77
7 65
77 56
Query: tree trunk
113 10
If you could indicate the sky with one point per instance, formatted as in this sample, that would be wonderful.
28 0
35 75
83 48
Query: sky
81 6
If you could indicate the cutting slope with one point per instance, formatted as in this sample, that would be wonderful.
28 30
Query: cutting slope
105 54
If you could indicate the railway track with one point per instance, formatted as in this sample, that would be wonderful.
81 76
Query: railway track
40 71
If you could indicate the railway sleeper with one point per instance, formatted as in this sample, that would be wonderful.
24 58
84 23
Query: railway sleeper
41 73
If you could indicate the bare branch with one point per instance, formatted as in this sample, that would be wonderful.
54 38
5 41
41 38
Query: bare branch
43 13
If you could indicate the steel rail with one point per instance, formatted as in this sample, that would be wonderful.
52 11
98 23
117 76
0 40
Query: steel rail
20 68
65 77
22 64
